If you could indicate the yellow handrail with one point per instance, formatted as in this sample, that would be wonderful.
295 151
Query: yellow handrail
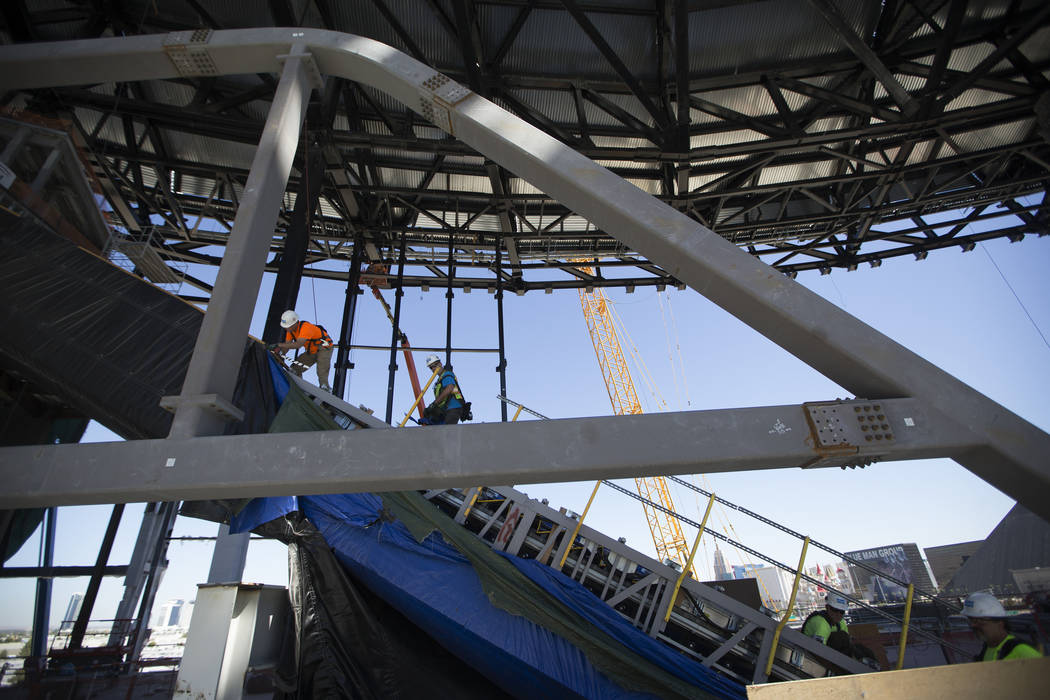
904 627
790 607
579 524
689 564
516 414
466 512
418 398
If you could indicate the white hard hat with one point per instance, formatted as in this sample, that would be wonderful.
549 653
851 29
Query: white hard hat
432 360
289 318
838 602
983 605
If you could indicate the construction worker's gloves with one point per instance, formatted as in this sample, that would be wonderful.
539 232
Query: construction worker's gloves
271 346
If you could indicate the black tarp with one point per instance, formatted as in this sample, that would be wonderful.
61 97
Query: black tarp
349 643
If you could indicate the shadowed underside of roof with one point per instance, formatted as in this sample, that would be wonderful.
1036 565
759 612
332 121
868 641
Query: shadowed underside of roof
818 135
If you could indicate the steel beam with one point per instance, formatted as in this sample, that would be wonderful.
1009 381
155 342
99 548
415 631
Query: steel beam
240 466
220 343
1004 449
48 572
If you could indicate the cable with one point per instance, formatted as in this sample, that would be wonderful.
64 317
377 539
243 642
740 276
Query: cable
803 576
1012 291
843 557
678 351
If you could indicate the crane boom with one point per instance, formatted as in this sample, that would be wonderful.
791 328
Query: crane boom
667 533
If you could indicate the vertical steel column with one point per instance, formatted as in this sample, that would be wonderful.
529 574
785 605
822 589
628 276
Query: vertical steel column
502 366
151 544
395 334
220 344
76 638
229 555
42 608
217 355
448 296
157 566
46 170
353 290
296 243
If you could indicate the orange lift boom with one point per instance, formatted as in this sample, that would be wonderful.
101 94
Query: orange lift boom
371 277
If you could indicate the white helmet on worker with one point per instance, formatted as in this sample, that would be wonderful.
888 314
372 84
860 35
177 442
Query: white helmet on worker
837 602
432 360
289 318
983 605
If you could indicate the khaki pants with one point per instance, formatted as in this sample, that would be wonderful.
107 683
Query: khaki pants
322 358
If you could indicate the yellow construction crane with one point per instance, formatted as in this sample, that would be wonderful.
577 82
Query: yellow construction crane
667 533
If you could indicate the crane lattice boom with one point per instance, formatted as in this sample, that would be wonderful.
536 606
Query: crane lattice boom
666 532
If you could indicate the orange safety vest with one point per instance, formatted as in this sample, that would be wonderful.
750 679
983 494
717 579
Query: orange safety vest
316 336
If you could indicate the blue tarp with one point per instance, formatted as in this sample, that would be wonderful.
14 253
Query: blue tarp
436 587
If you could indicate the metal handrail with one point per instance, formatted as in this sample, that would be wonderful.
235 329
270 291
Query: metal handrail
850 560
785 567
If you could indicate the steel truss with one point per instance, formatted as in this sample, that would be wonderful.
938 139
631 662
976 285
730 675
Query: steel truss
883 148
939 416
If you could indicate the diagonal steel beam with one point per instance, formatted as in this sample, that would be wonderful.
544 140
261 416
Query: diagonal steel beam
871 61
1002 50
659 117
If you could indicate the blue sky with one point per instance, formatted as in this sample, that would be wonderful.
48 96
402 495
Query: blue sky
954 309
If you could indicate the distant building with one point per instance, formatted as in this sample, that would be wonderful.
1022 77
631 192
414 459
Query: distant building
170 613
187 614
829 576
902 562
721 572
774 585
72 611
1011 560
947 559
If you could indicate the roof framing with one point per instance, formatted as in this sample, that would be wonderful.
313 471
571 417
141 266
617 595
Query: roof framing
877 140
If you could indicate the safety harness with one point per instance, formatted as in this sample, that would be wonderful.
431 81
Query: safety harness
312 344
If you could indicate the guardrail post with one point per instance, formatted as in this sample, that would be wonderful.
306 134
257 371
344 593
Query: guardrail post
904 627
790 607
692 555
579 524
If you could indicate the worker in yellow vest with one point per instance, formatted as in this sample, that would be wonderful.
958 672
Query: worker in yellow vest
829 624
988 621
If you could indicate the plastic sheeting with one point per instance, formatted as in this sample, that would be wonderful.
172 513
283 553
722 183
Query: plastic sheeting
528 629
106 342
350 643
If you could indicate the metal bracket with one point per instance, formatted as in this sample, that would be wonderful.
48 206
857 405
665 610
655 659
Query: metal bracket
212 402
313 73
846 433
188 51
437 98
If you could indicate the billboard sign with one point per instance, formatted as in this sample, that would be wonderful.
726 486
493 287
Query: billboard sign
893 561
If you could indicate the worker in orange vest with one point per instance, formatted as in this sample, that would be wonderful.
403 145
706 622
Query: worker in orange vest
313 339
